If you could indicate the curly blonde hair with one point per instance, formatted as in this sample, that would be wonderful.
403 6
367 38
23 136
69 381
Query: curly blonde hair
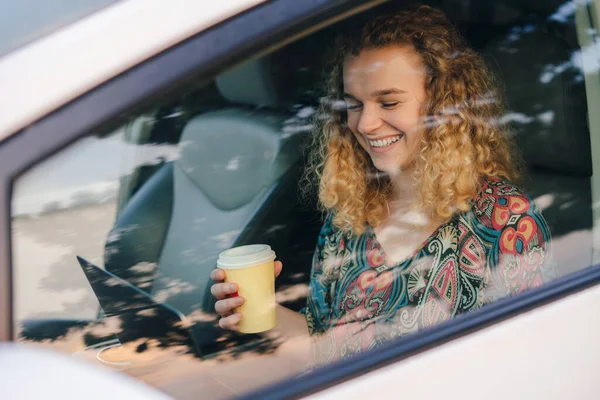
463 139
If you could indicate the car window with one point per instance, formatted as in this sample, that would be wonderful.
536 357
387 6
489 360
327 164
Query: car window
25 21
114 238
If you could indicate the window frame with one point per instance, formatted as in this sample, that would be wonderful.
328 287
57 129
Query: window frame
267 26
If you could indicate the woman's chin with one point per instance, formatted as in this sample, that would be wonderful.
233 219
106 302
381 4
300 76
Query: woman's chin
389 168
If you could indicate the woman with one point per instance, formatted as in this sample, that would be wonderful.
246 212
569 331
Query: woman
414 171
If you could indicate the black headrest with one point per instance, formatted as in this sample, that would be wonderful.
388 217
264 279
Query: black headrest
258 82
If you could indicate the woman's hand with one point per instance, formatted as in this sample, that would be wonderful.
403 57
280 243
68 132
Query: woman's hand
226 294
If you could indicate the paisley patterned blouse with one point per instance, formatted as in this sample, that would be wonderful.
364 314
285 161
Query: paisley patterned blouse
500 247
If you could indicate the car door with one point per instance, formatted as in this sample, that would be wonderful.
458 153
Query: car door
121 199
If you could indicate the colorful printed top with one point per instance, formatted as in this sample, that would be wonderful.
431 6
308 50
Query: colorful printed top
500 247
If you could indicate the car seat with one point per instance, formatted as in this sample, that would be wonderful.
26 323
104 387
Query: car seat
234 183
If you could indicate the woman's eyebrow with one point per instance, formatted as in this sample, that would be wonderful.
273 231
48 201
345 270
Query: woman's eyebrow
384 92
377 93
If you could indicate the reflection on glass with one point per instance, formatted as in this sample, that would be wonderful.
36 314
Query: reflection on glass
42 19
424 209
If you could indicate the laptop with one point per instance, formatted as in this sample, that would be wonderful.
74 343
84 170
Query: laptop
141 316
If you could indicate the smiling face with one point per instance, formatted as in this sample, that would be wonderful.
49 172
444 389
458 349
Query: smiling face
384 90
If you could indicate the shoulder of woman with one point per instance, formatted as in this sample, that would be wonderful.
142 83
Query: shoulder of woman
500 204
328 224
328 227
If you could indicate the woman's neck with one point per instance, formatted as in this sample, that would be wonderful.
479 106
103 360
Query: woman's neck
404 189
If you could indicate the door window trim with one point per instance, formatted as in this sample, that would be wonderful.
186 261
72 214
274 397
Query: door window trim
200 58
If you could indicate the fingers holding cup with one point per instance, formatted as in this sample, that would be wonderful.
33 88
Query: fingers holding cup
223 290
252 268
227 306
217 275
230 322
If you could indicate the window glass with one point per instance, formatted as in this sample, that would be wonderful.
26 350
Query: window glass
450 173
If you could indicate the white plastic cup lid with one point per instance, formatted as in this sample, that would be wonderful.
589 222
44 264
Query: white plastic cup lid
245 256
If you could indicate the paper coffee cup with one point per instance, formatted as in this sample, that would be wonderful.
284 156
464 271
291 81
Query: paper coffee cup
252 268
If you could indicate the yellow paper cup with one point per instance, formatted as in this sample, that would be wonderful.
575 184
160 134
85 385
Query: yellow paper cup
252 268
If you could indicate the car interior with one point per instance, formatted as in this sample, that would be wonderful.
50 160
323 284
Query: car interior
242 141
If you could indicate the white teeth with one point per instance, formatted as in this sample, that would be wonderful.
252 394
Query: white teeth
385 142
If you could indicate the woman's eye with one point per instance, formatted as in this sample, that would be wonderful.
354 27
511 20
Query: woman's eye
390 105
353 107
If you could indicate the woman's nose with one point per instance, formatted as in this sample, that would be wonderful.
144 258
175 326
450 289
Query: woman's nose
368 122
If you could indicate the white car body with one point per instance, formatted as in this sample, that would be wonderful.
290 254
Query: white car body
58 376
